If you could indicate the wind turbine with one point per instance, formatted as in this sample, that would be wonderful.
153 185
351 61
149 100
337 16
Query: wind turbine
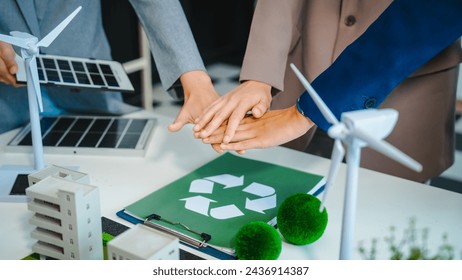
356 130
29 50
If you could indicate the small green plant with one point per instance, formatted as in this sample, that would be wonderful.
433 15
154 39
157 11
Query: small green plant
412 245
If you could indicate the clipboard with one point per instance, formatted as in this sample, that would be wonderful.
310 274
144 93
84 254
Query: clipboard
218 198
205 249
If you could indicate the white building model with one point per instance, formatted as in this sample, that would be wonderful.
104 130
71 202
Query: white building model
143 243
67 215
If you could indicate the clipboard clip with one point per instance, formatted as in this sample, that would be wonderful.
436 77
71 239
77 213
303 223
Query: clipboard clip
194 242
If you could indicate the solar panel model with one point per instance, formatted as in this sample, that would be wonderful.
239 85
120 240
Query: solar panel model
78 73
89 135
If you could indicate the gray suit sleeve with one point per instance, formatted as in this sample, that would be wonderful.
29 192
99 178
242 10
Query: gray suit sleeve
171 41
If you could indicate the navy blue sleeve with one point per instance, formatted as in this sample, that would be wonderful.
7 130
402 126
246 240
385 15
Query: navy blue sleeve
404 37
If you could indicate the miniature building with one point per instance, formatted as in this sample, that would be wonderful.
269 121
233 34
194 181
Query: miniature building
143 243
54 170
67 218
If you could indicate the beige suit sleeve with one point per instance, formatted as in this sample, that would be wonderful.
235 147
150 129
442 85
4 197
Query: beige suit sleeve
274 32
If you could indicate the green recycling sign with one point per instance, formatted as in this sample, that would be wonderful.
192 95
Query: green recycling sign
203 188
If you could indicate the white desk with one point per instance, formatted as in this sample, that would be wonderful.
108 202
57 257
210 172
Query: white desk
383 201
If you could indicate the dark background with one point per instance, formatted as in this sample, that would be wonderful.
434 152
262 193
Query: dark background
220 28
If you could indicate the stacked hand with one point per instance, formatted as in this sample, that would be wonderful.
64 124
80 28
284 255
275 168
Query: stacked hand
240 120
198 94
274 128
248 99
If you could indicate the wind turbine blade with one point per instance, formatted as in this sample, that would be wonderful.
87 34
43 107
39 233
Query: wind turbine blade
50 37
35 80
14 41
326 112
338 152
22 35
387 149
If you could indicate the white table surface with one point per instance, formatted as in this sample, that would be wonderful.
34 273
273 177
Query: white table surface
383 200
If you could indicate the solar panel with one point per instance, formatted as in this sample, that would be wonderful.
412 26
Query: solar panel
95 135
79 73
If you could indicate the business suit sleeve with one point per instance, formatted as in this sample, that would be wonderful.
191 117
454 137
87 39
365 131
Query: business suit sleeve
399 42
170 38
266 58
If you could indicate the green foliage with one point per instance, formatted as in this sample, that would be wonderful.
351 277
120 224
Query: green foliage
33 257
299 219
257 241
412 245
106 238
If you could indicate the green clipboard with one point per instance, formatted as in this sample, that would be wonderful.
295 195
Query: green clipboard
208 206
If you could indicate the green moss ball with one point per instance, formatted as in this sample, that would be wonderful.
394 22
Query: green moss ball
257 241
299 220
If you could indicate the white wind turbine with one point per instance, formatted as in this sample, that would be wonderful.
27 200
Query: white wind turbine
356 130
29 50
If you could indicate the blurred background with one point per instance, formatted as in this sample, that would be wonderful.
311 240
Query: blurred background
220 29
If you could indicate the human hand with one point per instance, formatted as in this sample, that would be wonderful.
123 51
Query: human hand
8 66
198 94
272 129
232 107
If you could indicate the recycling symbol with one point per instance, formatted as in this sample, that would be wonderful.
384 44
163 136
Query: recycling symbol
203 205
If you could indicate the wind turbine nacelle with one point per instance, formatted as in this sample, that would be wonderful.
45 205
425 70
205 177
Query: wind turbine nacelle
29 40
378 123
